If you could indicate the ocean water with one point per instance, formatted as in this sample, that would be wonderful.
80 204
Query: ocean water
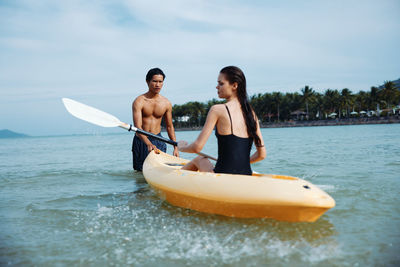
75 200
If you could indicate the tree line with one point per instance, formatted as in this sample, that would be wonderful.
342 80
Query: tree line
306 105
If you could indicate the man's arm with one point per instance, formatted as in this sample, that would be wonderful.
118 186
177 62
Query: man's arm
170 127
137 106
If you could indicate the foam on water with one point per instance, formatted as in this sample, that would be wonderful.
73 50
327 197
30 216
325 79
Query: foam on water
147 230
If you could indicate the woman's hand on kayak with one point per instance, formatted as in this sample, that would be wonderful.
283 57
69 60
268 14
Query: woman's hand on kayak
182 145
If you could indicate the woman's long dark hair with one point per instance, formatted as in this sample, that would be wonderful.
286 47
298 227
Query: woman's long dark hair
234 74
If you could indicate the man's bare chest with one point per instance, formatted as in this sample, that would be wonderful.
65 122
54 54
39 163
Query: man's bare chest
153 109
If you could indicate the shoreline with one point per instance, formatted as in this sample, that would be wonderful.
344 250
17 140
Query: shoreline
329 122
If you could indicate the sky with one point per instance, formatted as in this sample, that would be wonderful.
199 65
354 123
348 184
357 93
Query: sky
98 52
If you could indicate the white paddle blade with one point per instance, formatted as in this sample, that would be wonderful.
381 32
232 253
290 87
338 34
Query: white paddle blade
90 114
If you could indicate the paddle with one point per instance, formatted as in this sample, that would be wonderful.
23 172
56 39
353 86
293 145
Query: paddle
101 118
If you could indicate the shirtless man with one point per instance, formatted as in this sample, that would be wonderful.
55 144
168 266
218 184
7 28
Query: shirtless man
148 110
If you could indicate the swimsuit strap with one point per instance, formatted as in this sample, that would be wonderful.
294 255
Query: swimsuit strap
229 118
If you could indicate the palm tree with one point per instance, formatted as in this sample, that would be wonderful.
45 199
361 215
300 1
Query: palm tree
318 104
291 102
331 98
389 93
373 96
307 94
196 111
267 106
346 99
277 98
361 99
256 102
284 111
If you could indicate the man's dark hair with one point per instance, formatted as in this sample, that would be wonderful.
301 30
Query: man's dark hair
152 72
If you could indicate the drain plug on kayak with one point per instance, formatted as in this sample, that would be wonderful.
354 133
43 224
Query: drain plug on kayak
306 187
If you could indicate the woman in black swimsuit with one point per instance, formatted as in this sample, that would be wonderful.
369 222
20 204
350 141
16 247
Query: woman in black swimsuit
236 129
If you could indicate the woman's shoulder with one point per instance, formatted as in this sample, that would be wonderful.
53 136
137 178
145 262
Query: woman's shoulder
217 107
218 110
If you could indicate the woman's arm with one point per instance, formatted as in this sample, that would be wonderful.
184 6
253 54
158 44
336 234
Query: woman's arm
198 144
261 152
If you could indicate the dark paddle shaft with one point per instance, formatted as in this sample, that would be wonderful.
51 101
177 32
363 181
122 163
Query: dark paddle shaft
163 139
166 140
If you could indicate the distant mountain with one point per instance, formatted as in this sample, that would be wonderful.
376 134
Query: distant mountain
10 134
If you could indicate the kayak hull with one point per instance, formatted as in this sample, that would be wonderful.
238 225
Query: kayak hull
283 198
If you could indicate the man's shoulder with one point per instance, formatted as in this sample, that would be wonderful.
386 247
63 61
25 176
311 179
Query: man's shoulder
163 99
140 98
138 102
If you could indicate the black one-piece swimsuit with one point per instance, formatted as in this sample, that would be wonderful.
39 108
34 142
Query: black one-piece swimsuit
233 152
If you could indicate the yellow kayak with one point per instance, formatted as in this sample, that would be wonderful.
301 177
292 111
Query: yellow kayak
279 197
